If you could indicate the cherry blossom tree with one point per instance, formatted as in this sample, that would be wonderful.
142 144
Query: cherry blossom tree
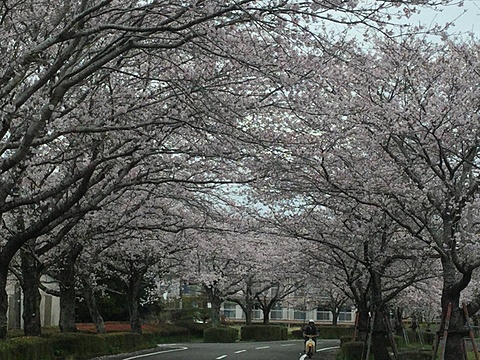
374 257
135 262
392 128
270 271
216 264
374 262
79 80
421 126
325 279
404 140
135 240
422 298
282 274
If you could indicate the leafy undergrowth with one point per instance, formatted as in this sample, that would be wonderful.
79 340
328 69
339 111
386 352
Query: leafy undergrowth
125 327
164 333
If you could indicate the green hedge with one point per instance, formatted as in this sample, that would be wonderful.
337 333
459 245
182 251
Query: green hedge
297 334
345 339
82 346
220 335
77 346
194 329
126 342
351 350
26 348
334 332
263 333
415 355
328 332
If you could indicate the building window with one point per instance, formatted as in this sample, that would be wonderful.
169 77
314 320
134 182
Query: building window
323 314
345 314
230 310
299 315
276 313
257 312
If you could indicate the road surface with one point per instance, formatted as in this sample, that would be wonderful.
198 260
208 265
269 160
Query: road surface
277 350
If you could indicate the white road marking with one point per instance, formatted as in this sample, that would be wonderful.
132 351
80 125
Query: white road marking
329 348
289 345
240 351
262 347
222 357
182 348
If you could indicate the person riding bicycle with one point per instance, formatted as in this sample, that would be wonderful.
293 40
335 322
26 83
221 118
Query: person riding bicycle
310 329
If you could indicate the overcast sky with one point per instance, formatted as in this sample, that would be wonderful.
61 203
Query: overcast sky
465 19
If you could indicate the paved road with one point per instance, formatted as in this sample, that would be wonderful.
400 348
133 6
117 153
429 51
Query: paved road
277 350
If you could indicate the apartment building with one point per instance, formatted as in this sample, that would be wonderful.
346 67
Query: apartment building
49 306
288 314
291 310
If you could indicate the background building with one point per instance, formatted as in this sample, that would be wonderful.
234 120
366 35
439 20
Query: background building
287 314
49 306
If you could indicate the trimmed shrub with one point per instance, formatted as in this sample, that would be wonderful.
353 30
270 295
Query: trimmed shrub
81 346
85 346
334 332
352 350
345 339
297 334
193 328
124 342
165 330
415 355
78 345
264 333
329 332
220 335
26 348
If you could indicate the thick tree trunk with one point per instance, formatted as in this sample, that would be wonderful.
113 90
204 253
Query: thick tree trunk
3 299
266 315
67 290
456 331
380 340
266 307
67 308
249 302
455 347
216 303
248 310
452 288
133 299
91 302
31 272
335 314
362 324
135 322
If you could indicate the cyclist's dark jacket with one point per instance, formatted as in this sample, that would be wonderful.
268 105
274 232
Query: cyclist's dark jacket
310 330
